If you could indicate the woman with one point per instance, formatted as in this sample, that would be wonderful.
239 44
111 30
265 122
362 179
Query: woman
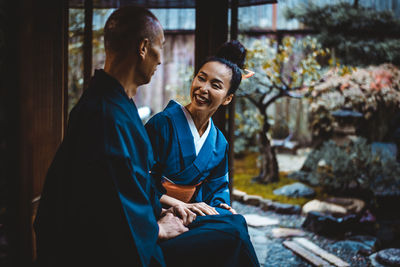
191 153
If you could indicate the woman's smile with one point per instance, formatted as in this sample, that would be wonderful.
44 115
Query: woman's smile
201 100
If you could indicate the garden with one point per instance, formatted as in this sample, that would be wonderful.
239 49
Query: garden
337 183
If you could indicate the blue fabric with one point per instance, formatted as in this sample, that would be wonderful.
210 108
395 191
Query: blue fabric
99 204
212 241
175 155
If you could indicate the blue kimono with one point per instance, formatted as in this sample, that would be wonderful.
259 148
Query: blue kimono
99 206
214 240
175 156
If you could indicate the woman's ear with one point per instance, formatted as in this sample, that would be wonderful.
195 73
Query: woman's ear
143 45
228 100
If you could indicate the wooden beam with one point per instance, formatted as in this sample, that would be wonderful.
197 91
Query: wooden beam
210 33
304 253
320 252
88 43
232 105
274 16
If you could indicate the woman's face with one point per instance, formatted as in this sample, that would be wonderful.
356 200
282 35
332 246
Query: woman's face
210 87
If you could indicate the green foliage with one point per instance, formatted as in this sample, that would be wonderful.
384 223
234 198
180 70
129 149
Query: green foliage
248 122
75 50
289 66
354 167
373 91
358 35
287 70
75 56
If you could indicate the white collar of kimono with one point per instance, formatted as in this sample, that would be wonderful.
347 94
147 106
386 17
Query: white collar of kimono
198 140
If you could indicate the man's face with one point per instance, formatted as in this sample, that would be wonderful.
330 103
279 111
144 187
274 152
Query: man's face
153 56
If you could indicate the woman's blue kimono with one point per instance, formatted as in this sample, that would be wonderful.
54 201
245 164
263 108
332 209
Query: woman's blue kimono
175 156
219 240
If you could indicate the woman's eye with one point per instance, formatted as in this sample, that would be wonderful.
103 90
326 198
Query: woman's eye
201 78
216 86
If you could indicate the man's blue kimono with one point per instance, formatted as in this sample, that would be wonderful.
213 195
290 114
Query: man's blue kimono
175 156
99 206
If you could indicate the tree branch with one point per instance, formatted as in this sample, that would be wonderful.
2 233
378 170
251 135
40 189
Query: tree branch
273 99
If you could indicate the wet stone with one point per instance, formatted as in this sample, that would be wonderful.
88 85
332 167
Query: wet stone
295 190
259 221
352 205
238 195
265 203
252 200
284 208
329 225
390 256
367 240
348 249
374 261
323 207
286 232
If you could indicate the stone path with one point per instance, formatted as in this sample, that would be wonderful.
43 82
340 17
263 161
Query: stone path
271 252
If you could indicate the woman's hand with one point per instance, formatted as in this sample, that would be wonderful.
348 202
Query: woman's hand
187 211
184 213
201 208
227 207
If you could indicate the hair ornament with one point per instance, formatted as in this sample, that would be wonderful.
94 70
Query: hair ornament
247 74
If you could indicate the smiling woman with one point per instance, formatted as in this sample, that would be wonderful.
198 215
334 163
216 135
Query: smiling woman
189 150
191 154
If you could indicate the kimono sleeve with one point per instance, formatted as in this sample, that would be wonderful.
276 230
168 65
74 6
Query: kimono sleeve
215 190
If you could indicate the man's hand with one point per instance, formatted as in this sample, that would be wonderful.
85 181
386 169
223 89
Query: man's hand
227 207
170 226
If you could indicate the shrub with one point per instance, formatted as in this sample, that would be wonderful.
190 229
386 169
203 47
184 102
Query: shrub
354 168
374 92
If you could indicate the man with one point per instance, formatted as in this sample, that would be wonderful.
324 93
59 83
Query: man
99 205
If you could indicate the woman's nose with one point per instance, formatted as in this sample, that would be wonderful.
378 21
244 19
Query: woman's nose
204 88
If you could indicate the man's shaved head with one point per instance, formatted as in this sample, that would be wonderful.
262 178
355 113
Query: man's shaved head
127 27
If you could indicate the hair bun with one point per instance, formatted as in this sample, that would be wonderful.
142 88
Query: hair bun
234 52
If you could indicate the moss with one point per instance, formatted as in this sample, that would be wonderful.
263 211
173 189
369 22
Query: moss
246 168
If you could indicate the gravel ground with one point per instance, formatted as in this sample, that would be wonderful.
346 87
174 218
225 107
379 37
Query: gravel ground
271 252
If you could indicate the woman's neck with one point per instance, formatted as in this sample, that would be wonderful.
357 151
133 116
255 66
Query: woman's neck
200 119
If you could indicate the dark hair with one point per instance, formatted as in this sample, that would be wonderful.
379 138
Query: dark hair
127 26
232 54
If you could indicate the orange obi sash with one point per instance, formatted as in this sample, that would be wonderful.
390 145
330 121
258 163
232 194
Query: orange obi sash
182 192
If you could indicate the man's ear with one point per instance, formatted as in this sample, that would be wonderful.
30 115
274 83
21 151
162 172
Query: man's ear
228 100
143 46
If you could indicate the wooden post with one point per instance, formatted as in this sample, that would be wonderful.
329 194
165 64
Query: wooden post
35 88
88 43
211 32
231 122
